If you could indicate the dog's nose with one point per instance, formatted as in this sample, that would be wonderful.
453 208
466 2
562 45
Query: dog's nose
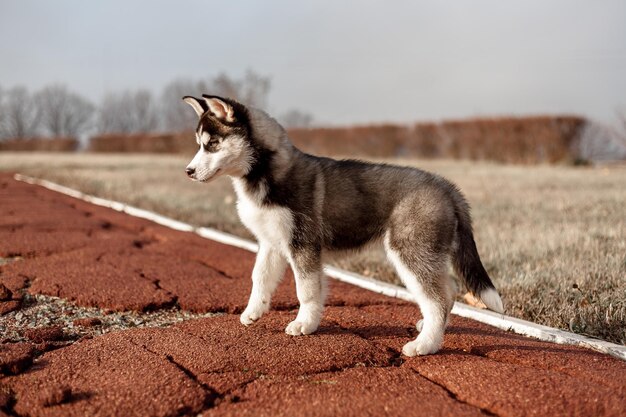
190 171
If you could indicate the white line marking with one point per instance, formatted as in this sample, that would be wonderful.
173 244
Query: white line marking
500 321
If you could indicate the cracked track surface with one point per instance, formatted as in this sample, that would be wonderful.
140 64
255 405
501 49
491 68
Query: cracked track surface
109 264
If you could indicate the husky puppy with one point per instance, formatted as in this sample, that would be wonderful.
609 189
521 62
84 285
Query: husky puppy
301 207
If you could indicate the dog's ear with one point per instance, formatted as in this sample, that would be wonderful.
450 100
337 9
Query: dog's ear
220 108
199 105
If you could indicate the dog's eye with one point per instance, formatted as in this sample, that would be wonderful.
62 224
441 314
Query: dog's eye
214 140
211 145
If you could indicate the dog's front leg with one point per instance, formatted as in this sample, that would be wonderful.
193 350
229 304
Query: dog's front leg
311 291
269 269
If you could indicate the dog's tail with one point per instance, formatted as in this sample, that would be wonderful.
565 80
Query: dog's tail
467 262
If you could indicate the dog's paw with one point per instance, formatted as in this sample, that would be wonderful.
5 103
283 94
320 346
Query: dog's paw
297 328
420 325
250 315
420 347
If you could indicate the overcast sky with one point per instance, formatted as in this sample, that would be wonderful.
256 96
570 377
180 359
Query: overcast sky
342 61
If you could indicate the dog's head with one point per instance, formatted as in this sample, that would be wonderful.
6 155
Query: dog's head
221 135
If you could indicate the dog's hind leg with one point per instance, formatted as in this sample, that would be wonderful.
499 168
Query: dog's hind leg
425 276
311 291
268 271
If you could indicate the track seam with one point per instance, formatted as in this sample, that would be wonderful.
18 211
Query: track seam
10 406
212 268
212 395
454 396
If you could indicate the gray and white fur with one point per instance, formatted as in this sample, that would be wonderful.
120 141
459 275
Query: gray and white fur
302 207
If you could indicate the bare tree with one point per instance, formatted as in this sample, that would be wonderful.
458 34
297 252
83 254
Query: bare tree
254 90
113 114
144 112
224 86
176 114
63 113
21 115
128 112
296 119
251 90
599 143
621 136
2 115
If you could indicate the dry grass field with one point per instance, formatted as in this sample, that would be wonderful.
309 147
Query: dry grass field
553 238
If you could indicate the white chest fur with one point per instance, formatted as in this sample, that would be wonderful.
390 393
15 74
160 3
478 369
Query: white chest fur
271 225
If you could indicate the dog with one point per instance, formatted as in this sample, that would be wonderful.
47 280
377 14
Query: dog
302 207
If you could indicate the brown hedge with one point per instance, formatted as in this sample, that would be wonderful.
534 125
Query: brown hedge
541 139
515 140
40 144
144 143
